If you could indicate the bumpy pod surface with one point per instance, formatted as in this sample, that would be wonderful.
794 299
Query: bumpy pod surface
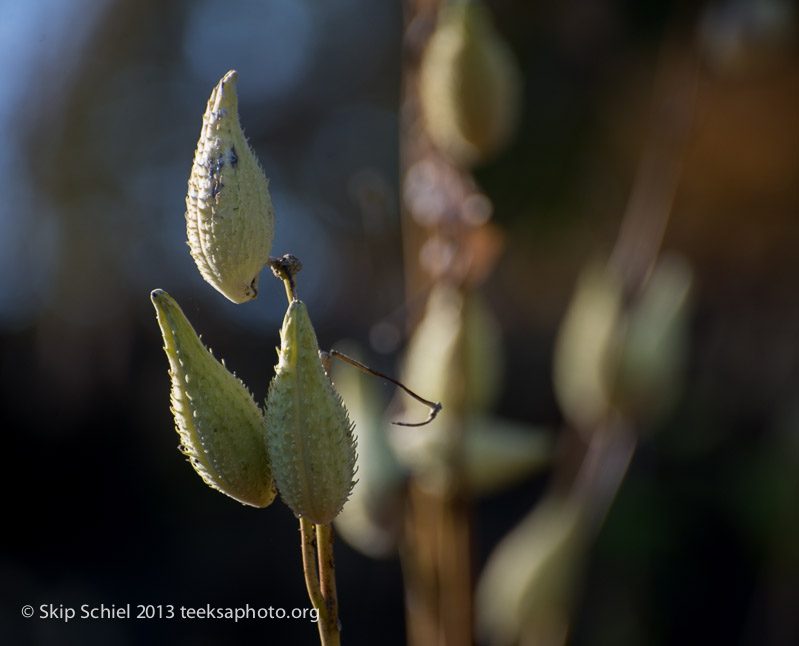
221 427
309 434
229 212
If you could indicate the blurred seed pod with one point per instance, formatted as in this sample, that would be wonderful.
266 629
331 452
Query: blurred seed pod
221 427
500 454
585 360
654 347
497 454
229 213
626 358
309 434
469 85
371 520
525 592
455 357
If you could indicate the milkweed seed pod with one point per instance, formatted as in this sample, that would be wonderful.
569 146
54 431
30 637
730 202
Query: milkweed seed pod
469 85
455 357
221 428
371 520
229 213
654 348
309 435
528 585
455 354
500 453
624 357
586 350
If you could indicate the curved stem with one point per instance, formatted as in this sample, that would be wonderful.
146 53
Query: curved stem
434 407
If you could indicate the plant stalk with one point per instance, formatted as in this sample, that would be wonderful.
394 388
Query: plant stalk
317 549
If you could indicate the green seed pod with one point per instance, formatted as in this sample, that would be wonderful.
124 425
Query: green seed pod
527 587
229 213
654 348
309 434
221 427
469 85
586 351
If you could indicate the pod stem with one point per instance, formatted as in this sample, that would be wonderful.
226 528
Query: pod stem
286 268
317 549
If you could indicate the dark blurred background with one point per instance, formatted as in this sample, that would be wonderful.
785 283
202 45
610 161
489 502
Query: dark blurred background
100 110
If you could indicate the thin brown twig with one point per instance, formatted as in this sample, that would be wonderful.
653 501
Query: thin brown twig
434 407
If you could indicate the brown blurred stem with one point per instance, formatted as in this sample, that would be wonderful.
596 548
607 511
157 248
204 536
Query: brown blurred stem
436 546
657 178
